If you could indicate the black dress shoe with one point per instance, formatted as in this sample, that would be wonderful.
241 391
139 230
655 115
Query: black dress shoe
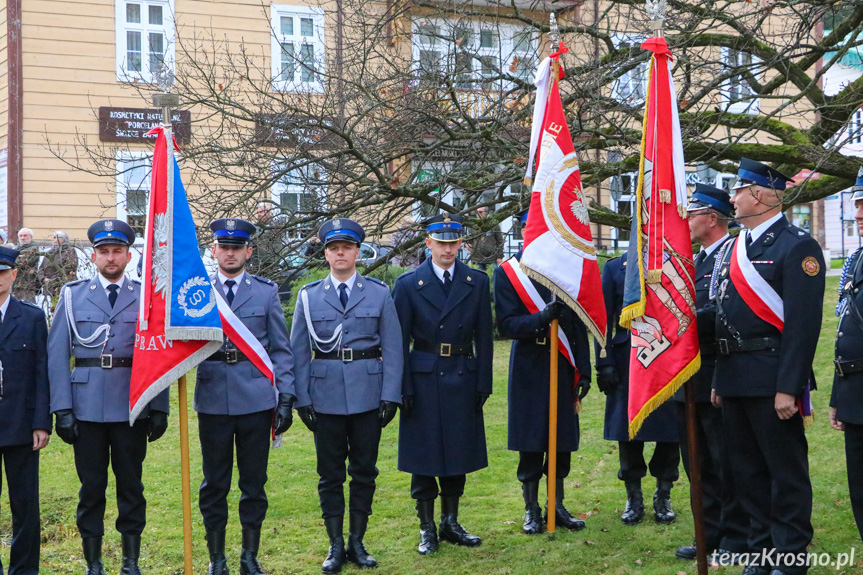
687 552
216 548
131 552
249 555
428 530
532 519
753 570
336 555
450 530
564 518
662 511
93 555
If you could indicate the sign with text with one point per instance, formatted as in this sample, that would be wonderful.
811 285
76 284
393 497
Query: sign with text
131 125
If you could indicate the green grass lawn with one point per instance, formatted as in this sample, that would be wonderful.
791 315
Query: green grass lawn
294 540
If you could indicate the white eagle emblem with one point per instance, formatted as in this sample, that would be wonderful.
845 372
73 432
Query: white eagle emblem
579 210
160 252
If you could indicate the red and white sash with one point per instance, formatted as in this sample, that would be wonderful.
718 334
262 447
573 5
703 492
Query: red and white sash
534 303
754 289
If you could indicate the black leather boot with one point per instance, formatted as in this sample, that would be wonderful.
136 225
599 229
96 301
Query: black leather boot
428 529
662 511
356 551
249 555
532 512
131 551
564 518
450 530
216 547
634 511
336 554
93 555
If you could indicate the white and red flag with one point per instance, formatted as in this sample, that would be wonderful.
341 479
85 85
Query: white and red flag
558 244
659 294
182 319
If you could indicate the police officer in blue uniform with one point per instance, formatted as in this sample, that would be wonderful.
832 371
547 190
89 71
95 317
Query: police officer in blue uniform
447 379
529 367
725 523
762 370
347 341
846 400
91 403
237 404
612 378
25 413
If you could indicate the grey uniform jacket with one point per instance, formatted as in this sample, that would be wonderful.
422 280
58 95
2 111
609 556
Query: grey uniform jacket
95 394
341 388
240 388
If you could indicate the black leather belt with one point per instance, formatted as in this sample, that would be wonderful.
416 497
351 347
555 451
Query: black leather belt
105 361
228 356
847 367
443 349
729 346
709 349
347 354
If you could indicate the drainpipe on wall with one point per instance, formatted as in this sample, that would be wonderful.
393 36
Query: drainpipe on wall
15 134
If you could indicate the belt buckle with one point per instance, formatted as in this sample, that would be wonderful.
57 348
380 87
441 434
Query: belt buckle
347 354
232 356
838 364
722 344
107 361
445 349
541 341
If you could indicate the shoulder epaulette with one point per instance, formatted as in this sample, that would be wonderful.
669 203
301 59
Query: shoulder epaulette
135 281
263 280
377 281
797 232
311 284
76 282
407 273
31 304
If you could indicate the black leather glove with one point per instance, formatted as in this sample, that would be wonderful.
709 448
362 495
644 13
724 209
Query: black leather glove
551 312
582 387
284 414
67 426
607 378
157 425
387 412
480 401
308 416
407 405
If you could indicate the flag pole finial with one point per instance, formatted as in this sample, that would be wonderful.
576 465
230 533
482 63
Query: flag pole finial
165 79
656 10
553 32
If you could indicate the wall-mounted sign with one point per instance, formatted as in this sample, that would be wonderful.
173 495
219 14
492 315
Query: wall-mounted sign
277 129
131 125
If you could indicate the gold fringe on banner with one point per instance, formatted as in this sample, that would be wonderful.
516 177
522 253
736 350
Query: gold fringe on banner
664 395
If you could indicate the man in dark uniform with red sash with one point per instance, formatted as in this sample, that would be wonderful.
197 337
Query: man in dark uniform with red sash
768 291
524 309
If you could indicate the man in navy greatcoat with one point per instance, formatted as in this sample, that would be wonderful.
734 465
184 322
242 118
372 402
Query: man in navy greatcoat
768 319
846 401
91 404
24 411
612 378
237 404
445 309
726 526
347 341
529 367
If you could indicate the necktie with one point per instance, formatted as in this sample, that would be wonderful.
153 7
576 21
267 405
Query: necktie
112 296
702 255
230 285
343 294
447 281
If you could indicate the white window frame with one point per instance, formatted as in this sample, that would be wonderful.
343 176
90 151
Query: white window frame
504 53
125 161
296 83
631 87
122 28
281 187
737 84
626 197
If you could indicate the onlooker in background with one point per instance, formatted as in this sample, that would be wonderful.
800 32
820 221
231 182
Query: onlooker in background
408 257
27 285
314 249
486 248
59 266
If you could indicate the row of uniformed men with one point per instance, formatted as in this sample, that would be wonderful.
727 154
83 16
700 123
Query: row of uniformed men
355 353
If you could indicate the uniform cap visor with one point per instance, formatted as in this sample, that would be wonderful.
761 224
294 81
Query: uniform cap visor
445 235
342 237
231 240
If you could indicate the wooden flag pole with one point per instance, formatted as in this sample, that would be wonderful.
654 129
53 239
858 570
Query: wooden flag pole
552 429
695 494
187 477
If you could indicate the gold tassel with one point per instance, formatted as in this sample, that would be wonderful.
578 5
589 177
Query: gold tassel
665 196
654 276
528 181
682 211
